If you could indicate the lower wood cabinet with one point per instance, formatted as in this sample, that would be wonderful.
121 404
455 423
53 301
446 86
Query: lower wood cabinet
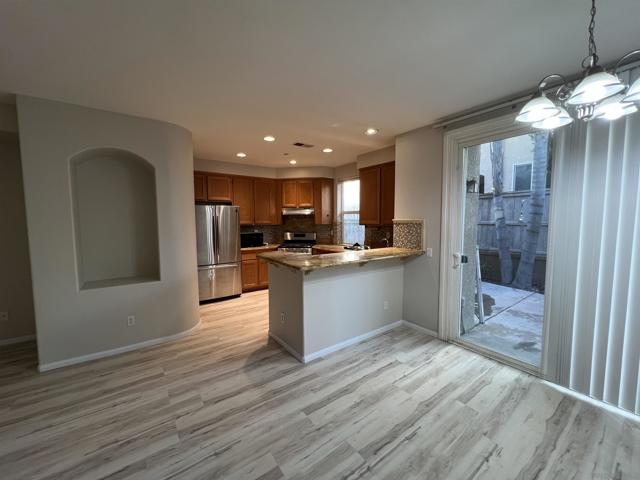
255 271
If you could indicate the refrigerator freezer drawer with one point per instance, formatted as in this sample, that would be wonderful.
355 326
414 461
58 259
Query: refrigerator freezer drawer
219 281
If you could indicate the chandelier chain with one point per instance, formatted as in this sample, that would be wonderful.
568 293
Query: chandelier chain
593 53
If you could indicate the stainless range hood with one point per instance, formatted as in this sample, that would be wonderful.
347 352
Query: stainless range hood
297 211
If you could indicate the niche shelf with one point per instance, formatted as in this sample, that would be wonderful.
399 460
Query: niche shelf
115 218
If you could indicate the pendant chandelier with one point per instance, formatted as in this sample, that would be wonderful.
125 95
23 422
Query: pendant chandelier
599 94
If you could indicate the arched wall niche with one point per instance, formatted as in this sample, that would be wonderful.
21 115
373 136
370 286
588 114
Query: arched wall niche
115 218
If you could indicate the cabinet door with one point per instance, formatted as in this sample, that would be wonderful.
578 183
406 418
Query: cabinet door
323 198
249 274
289 193
200 187
263 273
387 192
370 196
243 197
219 188
264 201
305 193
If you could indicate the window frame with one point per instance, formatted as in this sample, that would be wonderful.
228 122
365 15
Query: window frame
513 176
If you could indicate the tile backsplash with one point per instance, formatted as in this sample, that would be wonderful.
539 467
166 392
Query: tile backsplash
292 223
408 234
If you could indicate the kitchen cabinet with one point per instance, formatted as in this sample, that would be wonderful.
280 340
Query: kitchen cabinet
323 197
297 193
387 192
305 193
263 273
255 271
266 210
377 192
200 187
249 274
219 188
243 197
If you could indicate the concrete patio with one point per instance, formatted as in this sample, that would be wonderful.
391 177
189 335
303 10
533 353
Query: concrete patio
513 323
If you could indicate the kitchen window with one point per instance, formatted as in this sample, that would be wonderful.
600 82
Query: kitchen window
349 211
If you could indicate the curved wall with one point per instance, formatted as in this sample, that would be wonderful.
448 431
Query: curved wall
72 323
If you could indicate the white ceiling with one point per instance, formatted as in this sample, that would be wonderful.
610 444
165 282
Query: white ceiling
316 71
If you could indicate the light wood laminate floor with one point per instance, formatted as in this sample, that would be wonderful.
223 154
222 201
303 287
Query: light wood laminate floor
228 403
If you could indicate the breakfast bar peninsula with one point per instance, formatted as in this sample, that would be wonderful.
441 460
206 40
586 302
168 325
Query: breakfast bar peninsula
322 303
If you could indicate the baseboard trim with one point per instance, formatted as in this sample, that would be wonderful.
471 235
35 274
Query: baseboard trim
287 347
420 328
11 341
45 367
351 341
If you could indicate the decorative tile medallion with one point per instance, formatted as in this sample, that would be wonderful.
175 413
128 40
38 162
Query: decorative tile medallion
408 234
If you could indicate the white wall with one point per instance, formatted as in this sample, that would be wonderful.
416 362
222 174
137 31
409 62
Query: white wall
72 323
304 172
16 296
8 118
383 155
348 171
418 195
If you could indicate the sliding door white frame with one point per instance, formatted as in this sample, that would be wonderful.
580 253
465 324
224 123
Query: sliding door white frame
453 189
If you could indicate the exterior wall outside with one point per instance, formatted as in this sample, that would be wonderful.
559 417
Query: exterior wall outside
517 150
72 323
418 187
16 295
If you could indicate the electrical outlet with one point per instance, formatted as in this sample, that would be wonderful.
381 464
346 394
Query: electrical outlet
429 252
4 316
386 304
131 320
281 318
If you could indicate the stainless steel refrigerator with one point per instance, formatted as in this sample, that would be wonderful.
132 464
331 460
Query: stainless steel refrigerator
218 243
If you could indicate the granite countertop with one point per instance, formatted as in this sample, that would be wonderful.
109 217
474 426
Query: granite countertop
268 246
308 263
333 248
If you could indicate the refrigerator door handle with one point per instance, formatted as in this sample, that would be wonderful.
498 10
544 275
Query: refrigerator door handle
215 235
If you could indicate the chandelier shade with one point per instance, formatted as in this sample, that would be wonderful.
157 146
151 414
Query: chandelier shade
594 88
537 109
563 118
613 108
633 94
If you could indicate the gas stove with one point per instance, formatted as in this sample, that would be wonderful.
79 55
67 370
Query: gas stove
295 242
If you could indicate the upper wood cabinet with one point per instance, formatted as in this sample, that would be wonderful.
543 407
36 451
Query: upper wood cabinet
387 192
370 196
266 209
323 197
297 193
219 188
377 194
243 197
289 193
305 193
200 187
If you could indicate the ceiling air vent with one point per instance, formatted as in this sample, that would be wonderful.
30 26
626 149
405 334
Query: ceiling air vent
304 145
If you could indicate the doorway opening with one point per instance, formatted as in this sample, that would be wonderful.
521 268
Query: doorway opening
504 245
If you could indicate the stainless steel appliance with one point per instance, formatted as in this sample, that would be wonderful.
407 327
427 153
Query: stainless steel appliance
218 245
298 242
298 211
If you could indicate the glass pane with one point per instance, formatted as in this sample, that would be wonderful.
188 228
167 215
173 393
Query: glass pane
352 231
522 177
351 196
506 212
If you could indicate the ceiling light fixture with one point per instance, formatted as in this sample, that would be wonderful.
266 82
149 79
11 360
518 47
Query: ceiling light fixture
241 154
596 95
371 131
269 138
292 161
327 150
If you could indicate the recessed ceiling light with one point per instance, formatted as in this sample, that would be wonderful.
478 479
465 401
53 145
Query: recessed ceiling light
292 162
241 154
371 131
269 138
327 150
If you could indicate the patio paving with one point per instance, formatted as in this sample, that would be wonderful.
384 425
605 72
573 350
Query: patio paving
513 323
